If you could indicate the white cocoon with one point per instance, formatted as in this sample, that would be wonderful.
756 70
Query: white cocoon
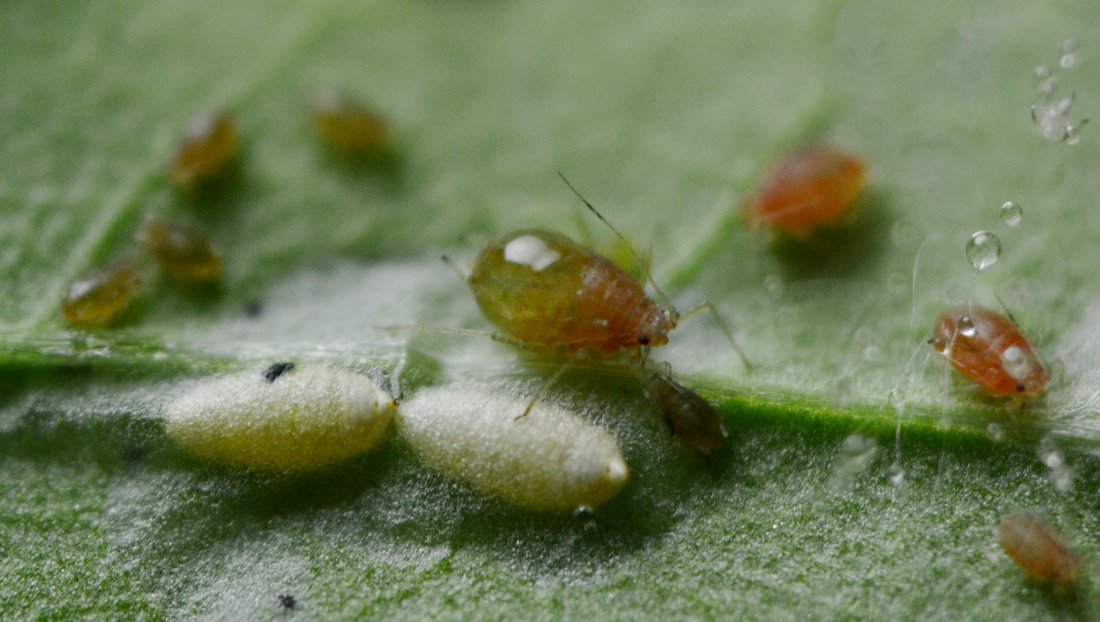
549 460
305 419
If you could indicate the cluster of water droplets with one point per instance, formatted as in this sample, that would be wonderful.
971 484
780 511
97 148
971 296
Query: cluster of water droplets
1061 474
1053 114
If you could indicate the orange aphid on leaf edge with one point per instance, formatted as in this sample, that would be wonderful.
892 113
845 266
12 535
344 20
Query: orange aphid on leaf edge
989 349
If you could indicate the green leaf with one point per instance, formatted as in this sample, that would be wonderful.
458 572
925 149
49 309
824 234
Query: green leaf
861 479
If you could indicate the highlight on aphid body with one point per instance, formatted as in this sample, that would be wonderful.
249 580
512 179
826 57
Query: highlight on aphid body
99 297
207 150
1038 549
990 350
550 459
283 417
812 187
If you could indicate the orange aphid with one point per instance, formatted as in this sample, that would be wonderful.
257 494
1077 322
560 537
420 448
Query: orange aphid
1038 548
989 349
542 288
100 296
208 147
811 187
183 252
348 126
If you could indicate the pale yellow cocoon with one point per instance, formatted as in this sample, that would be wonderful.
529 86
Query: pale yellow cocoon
307 418
549 460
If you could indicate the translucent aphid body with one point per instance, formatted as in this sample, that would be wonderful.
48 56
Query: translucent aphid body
349 127
302 418
99 297
551 460
989 349
208 147
1038 548
692 420
813 186
185 253
542 288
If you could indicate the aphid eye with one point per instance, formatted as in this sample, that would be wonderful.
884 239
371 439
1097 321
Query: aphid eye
643 340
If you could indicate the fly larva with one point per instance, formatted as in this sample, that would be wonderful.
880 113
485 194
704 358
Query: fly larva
349 127
99 297
692 420
208 147
1038 548
989 349
550 460
813 186
185 253
284 418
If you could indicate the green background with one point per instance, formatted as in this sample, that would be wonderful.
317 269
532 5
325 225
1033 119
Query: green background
665 117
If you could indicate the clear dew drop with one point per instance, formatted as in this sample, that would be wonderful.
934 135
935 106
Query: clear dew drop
896 475
773 283
995 432
966 326
983 249
855 457
1011 213
1070 51
1041 72
1054 123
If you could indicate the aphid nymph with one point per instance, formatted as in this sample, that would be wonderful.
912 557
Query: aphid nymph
1038 548
348 126
208 147
185 253
692 420
812 187
989 349
100 297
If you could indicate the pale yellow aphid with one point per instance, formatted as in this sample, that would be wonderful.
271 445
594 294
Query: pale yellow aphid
185 253
548 460
98 298
280 419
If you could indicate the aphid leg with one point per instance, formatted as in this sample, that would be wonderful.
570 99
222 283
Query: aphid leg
723 326
462 276
546 387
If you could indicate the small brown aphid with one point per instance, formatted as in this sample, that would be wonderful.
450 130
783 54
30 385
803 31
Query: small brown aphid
182 252
1038 548
989 349
692 420
348 126
209 145
99 297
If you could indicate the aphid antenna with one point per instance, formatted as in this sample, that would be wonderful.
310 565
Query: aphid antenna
462 276
724 327
673 314
1005 307
466 332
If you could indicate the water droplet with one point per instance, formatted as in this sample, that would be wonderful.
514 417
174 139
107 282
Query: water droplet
1011 213
966 326
872 354
1053 120
585 515
983 249
1041 72
896 475
856 454
995 432
773 283
896 400
1073 134
1071 53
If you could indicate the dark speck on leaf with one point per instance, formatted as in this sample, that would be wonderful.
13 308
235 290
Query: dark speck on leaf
277 369
287 601
254 308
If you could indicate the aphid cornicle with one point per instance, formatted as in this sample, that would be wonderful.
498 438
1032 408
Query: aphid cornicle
185 253
209 145
348 126
813 186
692 420
1038 548
989 349
542 288
99 297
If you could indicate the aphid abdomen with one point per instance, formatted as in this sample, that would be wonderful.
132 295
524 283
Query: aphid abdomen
989 349
185 253
301 419
1038 548
209 145
549 460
